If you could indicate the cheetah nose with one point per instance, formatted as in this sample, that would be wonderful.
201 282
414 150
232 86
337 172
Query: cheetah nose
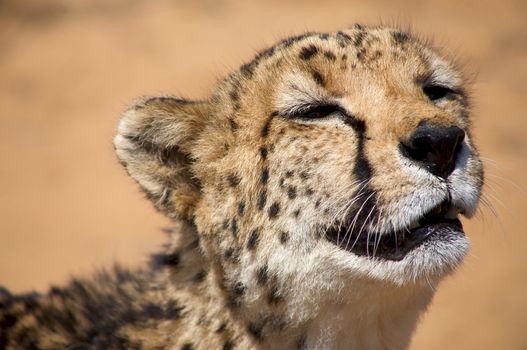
435 148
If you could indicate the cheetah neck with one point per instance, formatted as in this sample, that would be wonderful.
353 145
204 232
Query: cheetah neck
368 315
377 317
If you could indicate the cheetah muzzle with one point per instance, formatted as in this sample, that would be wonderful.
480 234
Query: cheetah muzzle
439 225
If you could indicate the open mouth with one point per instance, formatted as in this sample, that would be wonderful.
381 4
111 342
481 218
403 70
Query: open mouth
439 223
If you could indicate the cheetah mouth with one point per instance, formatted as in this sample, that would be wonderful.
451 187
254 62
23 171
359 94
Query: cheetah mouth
440 225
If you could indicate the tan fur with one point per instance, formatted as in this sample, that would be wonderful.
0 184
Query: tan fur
253 189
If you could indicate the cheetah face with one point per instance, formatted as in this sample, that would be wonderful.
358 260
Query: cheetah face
327 159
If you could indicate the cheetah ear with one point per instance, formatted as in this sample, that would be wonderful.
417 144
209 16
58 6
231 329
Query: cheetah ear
154 143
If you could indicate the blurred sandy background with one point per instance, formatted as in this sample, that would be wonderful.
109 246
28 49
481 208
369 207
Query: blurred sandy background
68 68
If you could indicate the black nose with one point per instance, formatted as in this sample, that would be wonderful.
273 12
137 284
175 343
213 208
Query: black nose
435 148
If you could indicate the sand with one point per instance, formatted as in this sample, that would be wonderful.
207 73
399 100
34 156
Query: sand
68 68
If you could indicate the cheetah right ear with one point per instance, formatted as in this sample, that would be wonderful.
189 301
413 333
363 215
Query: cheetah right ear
154 143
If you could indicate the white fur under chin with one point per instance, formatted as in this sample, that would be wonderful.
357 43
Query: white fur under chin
380 317
352 302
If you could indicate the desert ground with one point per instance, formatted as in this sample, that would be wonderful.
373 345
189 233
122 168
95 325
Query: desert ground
68 68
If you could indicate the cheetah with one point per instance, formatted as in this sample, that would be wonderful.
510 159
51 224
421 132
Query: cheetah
315 200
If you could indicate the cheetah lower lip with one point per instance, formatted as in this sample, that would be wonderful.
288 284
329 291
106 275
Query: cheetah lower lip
435 225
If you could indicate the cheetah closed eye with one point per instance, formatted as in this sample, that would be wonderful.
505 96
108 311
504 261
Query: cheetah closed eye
315 197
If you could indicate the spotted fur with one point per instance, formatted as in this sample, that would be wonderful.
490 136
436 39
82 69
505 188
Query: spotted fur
300 139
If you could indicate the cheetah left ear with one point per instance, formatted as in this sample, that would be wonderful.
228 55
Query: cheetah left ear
154 143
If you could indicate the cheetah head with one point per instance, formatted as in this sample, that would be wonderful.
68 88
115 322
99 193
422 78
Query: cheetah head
327 161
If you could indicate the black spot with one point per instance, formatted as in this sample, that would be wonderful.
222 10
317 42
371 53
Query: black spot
296 213
304 175
400 38
359 38
235 98
317 203
376 55
262 275
264 54
308 52
241 208
263 152
172 310
256 330
274 296
187 346
291 192
221 328
56 291
301 342
238 289
8 321
330 55
291 40
309 192
324 36
262 199
233 180
284 237
358 26
344 35
194 244
31 304
253 239
265 175
234 227
172 259
153 311
273 210
230 254
199 277
289 173
281 183
248 69
234 95
228 345
267 124
343 39
319 79
361 54
267 53
233 125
